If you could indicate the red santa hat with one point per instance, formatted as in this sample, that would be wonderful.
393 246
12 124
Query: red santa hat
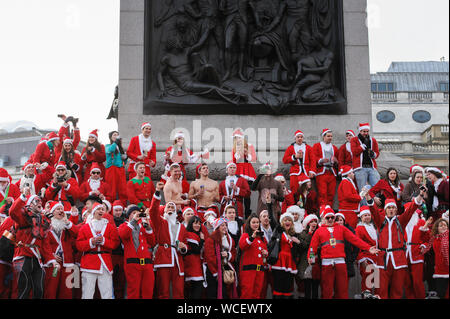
30 198
231 163
325 131
302 179
197 170
298 133
52 136
186 209
94 133
351 132
68 140
210 212
28 164
178 134
219 221
96 206
107 204
117 204
389 202
433 170
238 133
95 167
364 126
286 215
341 215
54 205
4 175
345 170
309 219
363 211
279 177
145 124
327 211
416 167
294 209
60 164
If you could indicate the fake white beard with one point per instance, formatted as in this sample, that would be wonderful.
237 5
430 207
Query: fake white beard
98 225
94 184
171 219
58 225
298 226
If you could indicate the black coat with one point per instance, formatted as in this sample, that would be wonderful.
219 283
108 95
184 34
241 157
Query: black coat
351 253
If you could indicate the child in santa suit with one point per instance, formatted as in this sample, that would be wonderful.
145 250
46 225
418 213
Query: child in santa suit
59 243
345 156
171 239
138 237
330 238
95 185
392 262
193 260
415 288
96 240
326 168
93 152
301 158
116 159
253 248
142 149
366 231
348 196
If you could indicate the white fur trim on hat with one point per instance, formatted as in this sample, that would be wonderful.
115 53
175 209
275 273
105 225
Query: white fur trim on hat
188 209
340 214
279 178
178 134
363 212
30 199
390 204
145 125
309 219
210 212
56 206
283 216
4 179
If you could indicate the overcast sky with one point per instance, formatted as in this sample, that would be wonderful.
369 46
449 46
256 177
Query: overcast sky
62 56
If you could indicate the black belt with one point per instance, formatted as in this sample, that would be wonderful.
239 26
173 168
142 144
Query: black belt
388 250
254 267
328 243
140 261
97 252
413 244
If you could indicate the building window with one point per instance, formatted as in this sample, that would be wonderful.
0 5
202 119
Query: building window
443 87
382 87
385 116
421 116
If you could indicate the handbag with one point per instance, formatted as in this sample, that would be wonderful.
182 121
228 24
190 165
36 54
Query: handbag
228 276
274 250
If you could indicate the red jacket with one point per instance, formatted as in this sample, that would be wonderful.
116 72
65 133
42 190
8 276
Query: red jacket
140 191
413 238
289 200
251 250
146 241
63 133
441 260
390 236
382 186
40 180
210 251
66 243
358 149
105 189
43 154
308 164
243 191
193 260
13 192
319 155
371 239
25 236
322 236
134 150
348 195
92 261
344 156
72 189
77 166
166 254
97 156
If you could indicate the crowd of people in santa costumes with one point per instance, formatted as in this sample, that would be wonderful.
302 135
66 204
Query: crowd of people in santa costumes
95 224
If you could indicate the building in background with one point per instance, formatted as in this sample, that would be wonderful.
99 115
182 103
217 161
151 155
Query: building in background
410 111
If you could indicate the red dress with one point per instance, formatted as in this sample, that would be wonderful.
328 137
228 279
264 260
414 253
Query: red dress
245 169
285 261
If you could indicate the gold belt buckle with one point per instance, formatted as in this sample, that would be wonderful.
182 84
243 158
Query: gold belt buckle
142 261
333 241
258 267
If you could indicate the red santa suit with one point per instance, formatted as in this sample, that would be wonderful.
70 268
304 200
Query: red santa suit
138 145
301 166
345 155
63 134
415 288
193 260
244 167
236 197
37 181
349 200
188 158
252 266
61 195
325 175
6 261
168 260
92 185
331 241
357 148
61 244
45 152
388 190
9 190
140 192
392 260
138 261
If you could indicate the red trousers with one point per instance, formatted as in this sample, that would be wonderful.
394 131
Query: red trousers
326 188
366 269
351 218
5 290
57 287
164 276
392 282
252 283
140 281
115 177
268 280
414 286
119 279
334 278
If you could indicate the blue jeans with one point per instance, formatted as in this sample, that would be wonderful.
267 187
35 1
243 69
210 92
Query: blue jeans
366 176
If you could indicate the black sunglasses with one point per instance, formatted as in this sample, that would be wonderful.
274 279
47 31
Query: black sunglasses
95 173
329 217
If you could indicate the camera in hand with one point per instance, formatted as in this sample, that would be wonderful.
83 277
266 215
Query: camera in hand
142 214
60 179
260 233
